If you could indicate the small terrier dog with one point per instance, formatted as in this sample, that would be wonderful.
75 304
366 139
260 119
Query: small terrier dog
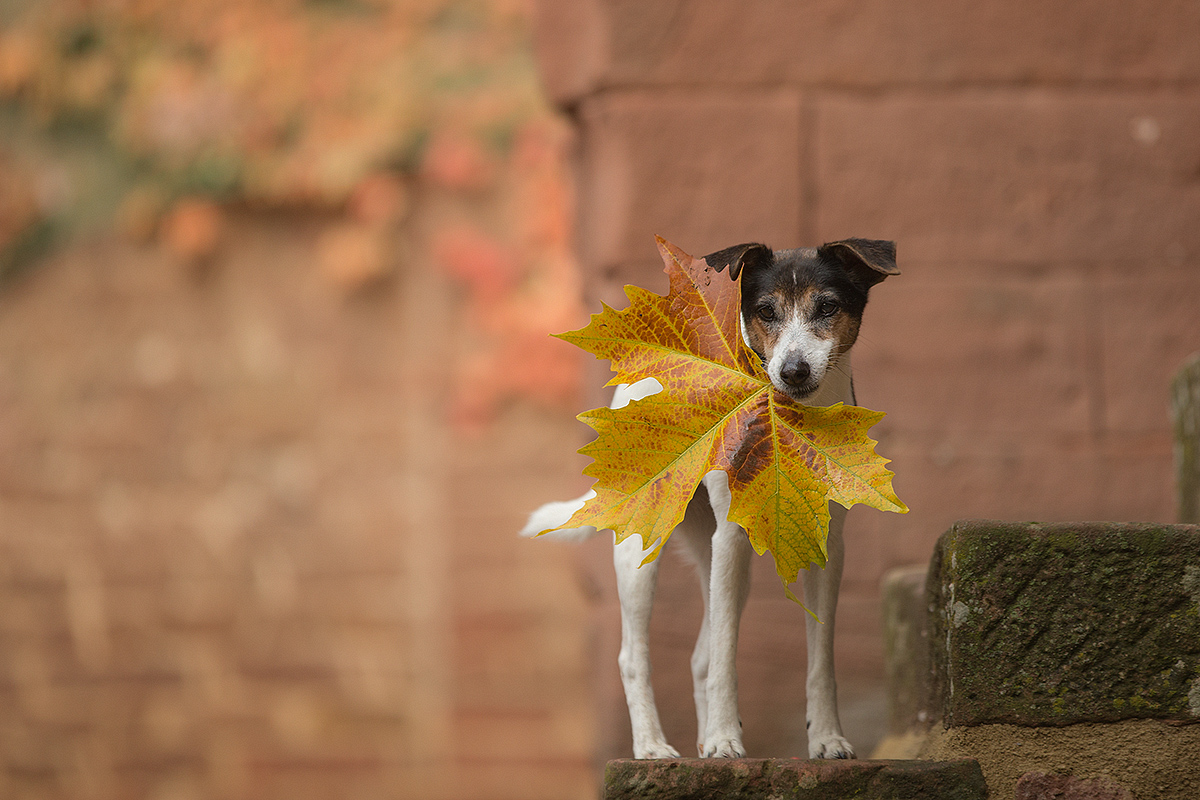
801 311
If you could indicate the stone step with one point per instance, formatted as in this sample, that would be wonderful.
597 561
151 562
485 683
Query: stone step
1065 623
791 779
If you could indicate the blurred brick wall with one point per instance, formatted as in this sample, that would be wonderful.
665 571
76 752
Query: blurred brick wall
1039 167
243 556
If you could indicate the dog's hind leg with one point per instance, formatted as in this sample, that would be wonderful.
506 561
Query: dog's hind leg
695 534
700 656
635 588
729 586
825 739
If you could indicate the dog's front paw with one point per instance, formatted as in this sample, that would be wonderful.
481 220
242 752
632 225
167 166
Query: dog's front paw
655 750
830 746
724 748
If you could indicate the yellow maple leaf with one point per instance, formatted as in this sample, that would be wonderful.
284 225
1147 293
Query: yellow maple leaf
717 410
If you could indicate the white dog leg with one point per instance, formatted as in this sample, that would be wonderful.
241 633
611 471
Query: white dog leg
729 586
697 540
700 657
825 738
635 587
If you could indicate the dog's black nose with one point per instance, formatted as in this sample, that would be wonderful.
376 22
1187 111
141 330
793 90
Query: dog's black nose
795 373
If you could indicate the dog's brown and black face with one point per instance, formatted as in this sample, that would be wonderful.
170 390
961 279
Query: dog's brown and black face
801 308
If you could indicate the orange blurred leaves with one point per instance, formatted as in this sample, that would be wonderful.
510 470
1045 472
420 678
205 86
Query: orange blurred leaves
379 199
419 124
486 266
192 229
352 255
19 207
455 161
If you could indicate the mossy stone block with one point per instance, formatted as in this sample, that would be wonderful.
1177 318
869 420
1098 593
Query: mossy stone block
1054 624
792 779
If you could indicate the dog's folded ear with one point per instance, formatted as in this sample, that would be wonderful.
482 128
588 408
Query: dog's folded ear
738 257
870 260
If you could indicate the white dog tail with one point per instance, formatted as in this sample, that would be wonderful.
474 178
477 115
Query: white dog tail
552 515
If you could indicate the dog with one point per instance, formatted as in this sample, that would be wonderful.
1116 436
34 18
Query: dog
800 313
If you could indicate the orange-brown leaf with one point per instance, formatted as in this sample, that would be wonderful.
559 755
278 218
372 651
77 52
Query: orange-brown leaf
717 410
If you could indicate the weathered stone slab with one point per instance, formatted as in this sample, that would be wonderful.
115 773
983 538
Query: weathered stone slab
906 647
1185 411
1062 623
792 779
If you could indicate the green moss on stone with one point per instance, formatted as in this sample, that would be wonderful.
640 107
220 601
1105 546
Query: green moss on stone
1056 624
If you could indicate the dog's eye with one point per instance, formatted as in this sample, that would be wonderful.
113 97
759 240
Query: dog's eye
766 312
827 308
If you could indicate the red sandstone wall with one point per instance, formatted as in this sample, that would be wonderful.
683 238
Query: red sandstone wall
1037 164
276 280
243 556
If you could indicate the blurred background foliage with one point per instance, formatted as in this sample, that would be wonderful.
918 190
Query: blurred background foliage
415 128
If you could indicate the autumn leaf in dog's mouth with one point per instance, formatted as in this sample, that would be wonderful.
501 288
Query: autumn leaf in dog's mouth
717 410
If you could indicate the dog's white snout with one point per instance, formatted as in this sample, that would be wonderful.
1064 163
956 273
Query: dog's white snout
800 358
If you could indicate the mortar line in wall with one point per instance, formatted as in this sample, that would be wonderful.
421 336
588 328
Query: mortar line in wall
1000 91
902 87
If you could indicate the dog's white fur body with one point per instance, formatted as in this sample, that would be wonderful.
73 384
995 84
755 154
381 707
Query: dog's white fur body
722 559
802 312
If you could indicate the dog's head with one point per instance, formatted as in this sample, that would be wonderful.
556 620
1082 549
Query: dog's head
801 308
